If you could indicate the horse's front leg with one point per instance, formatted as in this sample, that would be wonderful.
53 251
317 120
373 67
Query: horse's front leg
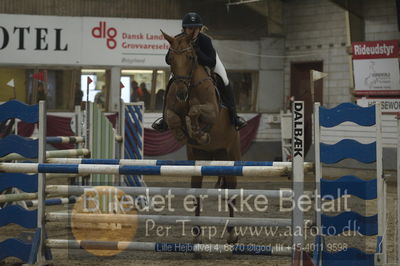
174 123
201 118
203 113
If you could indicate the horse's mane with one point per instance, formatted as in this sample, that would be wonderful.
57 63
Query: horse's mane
180 38
202 31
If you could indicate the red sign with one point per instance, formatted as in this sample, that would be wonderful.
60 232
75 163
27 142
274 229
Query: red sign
104 32
38 76
375 49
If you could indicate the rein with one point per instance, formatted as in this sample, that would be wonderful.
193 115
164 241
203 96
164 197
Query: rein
190 84
188 78
181 50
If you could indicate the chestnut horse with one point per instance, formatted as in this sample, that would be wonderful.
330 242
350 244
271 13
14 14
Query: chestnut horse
196 118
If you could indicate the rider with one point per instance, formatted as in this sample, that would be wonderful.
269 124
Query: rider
206 56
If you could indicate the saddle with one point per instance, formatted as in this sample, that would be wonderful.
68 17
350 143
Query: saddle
220 88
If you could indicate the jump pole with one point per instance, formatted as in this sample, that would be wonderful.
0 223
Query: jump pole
170 247
164 170
65 140
51 176
53 201
307 165
150 191
50 154
31 199
17 197
166 219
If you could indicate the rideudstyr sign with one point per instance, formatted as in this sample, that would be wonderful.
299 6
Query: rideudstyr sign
376 68
376 49
86 41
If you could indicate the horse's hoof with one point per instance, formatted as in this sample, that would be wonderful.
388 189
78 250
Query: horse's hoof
197 240
197 256
232 239
196 232
180 137
194 111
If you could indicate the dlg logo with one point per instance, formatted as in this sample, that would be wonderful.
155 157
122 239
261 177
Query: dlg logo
106 33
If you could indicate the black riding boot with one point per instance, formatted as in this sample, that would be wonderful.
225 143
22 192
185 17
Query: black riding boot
160 125
229 99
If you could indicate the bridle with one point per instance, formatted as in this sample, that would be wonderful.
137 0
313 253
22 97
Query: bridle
187 79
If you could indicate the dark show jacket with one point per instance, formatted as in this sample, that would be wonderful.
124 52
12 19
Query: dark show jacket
204 50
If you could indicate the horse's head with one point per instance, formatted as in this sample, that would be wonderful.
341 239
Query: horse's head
183 60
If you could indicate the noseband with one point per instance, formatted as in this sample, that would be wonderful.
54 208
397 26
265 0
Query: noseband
188 78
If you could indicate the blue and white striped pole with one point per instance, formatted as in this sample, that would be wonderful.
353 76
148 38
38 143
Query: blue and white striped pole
163 170
238 249
169 162
53 202
65 140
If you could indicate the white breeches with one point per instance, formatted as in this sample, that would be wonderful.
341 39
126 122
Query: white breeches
220 70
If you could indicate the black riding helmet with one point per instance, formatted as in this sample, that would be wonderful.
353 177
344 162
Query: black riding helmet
191 20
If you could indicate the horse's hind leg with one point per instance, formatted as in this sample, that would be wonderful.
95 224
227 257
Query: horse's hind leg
230 182
196 182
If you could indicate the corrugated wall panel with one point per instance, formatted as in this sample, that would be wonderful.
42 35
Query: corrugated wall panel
165 9
222 24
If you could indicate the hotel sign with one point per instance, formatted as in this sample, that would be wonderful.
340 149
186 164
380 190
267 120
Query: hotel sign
86 41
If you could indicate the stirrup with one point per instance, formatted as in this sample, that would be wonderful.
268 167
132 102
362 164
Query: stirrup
240 123
160 125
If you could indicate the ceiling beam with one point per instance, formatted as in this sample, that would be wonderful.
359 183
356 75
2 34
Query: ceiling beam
354 7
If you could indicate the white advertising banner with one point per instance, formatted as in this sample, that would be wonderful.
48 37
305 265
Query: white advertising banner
387 105
377 74
376 68
39 40
138 42
86 41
